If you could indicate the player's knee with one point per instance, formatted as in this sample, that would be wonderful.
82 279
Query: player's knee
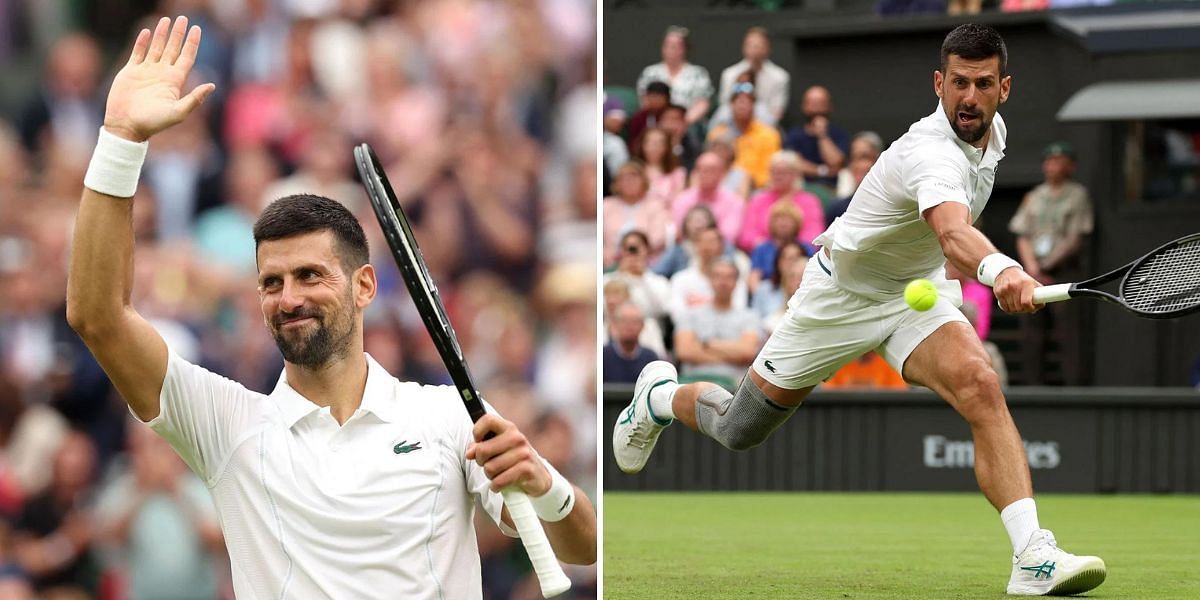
739 421
978 389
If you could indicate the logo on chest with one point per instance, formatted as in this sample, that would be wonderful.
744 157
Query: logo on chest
404 447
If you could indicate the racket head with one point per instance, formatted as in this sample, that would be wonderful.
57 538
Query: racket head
398 232
1165 283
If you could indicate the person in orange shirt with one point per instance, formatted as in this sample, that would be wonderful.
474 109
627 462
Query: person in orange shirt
753 141
868 371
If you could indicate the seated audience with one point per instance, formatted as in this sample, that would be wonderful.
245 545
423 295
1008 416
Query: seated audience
865 148
667 177
655 101
690 84
783 187
718 340
768 293
706 190
771 80
792 275
682 253
623 356
822 145
631 209
869 371
753 142
692 287
785 222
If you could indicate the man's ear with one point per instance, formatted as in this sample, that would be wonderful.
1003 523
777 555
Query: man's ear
937 82
365 285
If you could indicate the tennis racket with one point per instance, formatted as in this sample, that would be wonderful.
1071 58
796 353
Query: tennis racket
425 295
1163 284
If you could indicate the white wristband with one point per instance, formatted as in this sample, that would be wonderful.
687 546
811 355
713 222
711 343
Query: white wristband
557 503
116 165
991 266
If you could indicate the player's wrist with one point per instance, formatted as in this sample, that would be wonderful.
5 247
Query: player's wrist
558 501
125 132
116 164
993 265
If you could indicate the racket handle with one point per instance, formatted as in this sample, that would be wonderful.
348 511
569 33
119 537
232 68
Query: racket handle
1052 293
549 573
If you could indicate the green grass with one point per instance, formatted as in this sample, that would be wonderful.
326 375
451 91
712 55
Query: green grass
893 545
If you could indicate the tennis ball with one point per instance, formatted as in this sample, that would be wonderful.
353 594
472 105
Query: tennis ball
920 294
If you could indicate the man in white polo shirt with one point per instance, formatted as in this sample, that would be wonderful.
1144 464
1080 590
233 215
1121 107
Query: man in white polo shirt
343 482
914 211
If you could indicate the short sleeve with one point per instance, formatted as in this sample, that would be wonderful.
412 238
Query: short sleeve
936 177
1080 221
478 484
686 321
1021 220
202 415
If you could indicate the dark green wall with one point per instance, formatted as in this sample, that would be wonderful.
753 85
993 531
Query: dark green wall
880 74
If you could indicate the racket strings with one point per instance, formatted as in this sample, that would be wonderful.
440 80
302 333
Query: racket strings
1166 282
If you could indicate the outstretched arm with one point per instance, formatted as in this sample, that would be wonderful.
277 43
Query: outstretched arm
965 247
146 97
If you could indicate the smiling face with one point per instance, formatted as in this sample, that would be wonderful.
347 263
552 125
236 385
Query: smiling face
971 92
311 305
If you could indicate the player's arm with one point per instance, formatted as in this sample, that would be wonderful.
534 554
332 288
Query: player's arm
145 98
966 248
509 459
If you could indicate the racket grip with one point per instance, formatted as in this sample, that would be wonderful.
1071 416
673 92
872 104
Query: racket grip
549 573
1052 293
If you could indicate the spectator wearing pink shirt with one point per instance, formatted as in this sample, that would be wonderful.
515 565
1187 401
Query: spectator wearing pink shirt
784 175
667 177
725 205
631 209
978 295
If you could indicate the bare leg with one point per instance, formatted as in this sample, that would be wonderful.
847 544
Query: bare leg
953 363
683 403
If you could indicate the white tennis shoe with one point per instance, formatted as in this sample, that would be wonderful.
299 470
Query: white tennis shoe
1042 569
637 428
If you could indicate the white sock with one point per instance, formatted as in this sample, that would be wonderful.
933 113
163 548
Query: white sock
660 400
1020 519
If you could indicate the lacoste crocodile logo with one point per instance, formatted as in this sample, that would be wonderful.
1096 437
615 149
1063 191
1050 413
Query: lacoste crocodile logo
405 447
770 367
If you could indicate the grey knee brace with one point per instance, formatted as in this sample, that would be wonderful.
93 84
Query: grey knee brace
742 420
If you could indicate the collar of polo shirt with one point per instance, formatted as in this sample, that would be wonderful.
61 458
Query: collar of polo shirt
377 396
996 142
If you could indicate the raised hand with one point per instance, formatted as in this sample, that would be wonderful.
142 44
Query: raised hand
147 93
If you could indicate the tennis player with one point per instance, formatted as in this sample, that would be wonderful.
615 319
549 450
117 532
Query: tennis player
343 482
912 213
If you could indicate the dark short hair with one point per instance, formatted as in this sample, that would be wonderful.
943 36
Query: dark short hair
299 214
675 107
658 87
973 41
636 233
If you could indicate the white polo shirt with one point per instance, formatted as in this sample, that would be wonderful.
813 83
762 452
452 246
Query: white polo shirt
380 507
882 241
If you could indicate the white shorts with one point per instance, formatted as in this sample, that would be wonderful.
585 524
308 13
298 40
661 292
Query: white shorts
826 327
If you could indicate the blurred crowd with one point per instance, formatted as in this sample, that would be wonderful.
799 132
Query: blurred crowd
714 198
483 112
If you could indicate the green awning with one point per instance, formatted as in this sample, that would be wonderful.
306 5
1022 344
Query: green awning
1134 100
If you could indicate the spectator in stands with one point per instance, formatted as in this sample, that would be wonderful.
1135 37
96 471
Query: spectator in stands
869 371
631 208
784 186
785 223
771 81
616 152
865 148
655 100
736 180
974 312
1052 225
690 84
717 340
623 356
648 290
161 520
692 287
767 291
682 253
790 277
667 177
616 293
68 108
753 141
224 234
724 113
54 535
706 190
821 144
684 143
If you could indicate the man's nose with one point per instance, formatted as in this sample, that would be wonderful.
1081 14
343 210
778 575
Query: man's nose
290 298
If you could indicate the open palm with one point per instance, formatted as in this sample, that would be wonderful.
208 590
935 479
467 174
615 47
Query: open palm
147 93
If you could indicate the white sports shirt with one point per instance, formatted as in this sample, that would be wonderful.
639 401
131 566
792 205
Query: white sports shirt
882 241
380 507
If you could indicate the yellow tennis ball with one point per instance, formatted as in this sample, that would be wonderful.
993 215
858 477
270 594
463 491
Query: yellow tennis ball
920 294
